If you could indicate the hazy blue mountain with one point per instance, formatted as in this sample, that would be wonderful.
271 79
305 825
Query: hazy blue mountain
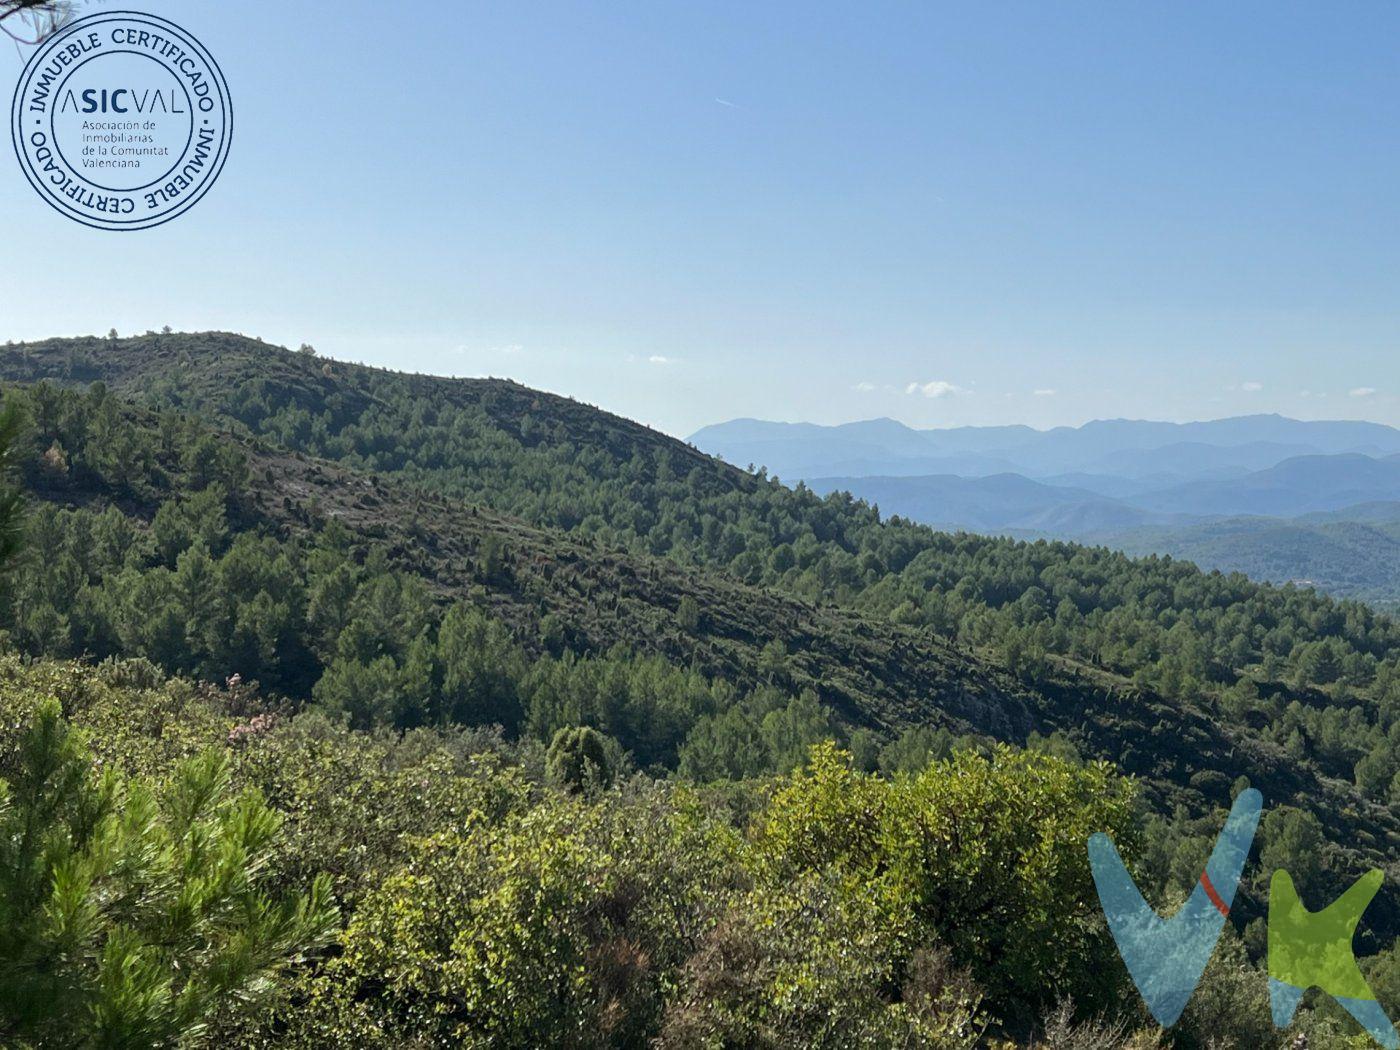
978 504
1110 485
1381 512
999 503
1302 485
1196 459
873 446
1298 486
1351 549
969 465
1083 519
1114 447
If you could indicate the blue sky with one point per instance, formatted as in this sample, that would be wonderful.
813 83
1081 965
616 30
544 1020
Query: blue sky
688 212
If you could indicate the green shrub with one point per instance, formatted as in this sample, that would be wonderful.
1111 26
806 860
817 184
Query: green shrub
811 963
983 855
565 926
578 759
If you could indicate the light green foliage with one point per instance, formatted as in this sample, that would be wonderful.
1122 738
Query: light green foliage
846 910
626 919
564 926
858 912
131 909
130 715
984 855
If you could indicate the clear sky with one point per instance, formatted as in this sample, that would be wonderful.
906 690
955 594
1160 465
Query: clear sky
979 213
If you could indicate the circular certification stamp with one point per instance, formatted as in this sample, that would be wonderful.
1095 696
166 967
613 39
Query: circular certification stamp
122 120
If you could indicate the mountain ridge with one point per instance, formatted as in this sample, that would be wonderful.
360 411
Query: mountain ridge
1089 447
1163 488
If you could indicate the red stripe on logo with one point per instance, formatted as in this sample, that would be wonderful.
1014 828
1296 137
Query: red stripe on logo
1220 905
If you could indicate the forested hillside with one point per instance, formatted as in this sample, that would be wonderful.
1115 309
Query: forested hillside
1281 500
1350 558
405 553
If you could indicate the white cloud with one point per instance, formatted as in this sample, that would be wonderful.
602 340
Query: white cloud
1044 392
934 388
1252 386
660 359
864 388
1362 391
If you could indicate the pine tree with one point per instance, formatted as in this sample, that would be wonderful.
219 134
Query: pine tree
129 911
11 498
578 759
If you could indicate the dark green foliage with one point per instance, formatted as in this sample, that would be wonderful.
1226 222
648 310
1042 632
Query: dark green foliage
554 462
1292 839
12 425
688 614
914 749
578 759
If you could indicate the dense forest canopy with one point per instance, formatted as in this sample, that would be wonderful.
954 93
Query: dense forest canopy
1318 676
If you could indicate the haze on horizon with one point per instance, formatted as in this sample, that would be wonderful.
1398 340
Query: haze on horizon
943 215
856 422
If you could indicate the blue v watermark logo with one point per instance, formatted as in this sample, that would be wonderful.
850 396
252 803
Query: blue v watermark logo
1166 957
121 120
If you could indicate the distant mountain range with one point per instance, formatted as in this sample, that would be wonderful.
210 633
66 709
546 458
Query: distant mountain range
1123 448
1282 499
